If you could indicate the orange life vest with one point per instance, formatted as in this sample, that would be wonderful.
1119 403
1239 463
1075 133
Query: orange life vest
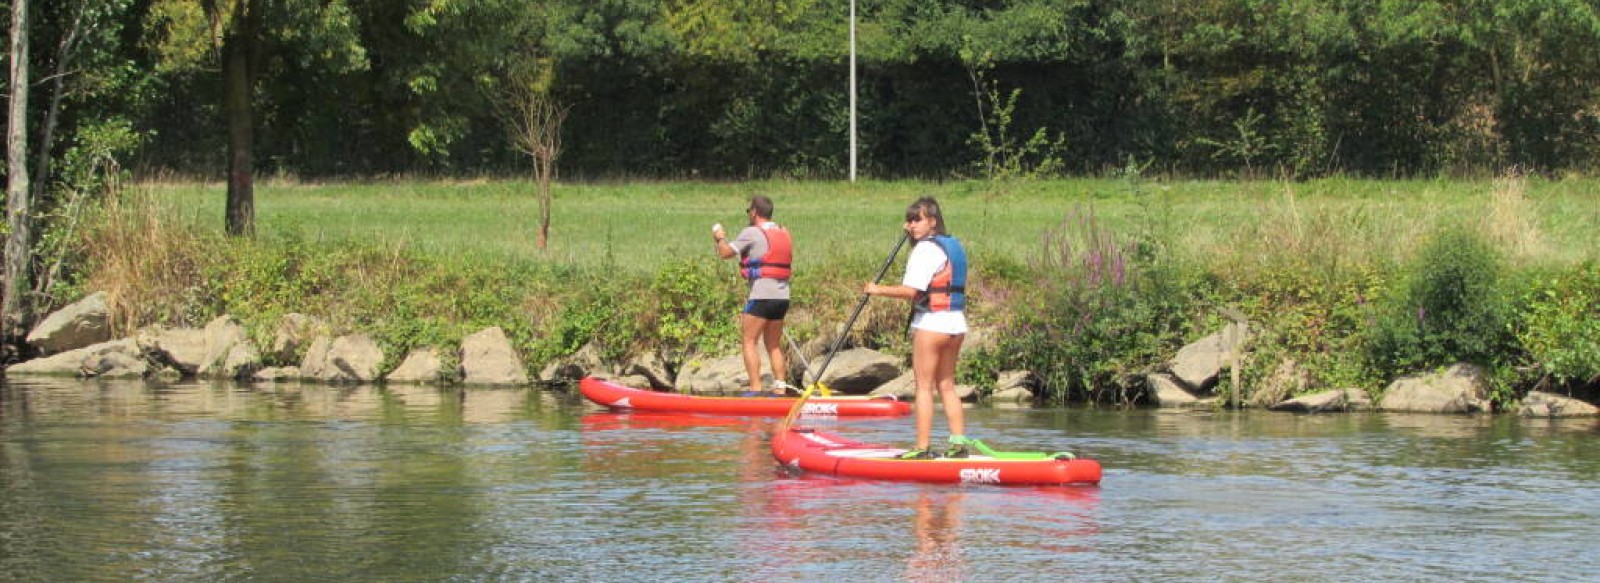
775 263
948 290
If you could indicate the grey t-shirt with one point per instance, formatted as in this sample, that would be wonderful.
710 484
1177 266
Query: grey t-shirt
751 242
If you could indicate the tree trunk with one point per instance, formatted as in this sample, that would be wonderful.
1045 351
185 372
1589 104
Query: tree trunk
546 165
236 64
534 120
14 307
52 111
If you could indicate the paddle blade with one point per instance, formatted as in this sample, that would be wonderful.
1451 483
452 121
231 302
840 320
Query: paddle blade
799 404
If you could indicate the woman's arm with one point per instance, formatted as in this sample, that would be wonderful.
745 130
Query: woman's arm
891 291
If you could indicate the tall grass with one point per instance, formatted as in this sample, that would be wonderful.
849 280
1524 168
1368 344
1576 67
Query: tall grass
1512 221
149 264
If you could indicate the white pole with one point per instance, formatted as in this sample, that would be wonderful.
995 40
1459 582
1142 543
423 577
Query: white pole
852 90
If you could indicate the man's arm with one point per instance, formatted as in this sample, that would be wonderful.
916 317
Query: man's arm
724 250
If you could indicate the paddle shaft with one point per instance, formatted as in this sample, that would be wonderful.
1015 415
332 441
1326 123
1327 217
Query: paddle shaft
800 355
799 404
845 333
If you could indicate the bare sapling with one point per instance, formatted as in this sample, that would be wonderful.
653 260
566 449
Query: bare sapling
534 118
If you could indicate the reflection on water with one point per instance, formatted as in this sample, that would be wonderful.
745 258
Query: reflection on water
117 481
109 400
937 532
821 526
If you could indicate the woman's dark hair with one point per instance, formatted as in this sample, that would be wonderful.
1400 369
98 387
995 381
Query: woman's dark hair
927 207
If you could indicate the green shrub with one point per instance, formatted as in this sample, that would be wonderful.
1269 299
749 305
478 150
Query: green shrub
1100 320
603 312
1560 325
259 282
1096 343
693 310
1448 309
1314 318
980 367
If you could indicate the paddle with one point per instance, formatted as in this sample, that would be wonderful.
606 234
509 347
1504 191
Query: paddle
838 343
826 392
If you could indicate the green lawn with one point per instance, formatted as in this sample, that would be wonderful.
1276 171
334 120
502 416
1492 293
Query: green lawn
639 226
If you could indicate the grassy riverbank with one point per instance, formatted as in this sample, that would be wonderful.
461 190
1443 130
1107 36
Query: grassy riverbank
1312 264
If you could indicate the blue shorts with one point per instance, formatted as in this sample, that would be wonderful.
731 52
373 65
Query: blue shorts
767 309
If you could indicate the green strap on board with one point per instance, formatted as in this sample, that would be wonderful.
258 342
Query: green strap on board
983 448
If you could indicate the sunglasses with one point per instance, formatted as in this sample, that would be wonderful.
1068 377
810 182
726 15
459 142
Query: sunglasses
915 218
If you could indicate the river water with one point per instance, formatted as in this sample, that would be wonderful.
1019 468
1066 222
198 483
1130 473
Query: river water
127 481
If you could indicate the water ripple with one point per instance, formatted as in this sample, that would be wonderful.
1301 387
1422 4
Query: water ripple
117 482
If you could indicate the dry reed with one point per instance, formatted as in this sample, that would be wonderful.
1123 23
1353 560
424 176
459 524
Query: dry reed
1511 222
149 264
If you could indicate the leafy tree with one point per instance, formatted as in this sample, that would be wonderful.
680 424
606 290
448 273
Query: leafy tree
65 142
725 88
240 35
745 31
93 91
1541 57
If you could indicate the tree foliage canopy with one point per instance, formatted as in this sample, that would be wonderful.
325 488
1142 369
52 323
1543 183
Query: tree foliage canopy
757 87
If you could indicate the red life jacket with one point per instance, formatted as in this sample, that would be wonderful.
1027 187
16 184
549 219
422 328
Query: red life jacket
775 263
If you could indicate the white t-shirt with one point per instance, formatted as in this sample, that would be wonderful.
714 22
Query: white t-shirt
927 258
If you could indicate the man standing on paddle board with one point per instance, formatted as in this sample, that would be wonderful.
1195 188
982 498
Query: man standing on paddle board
935 282
765 252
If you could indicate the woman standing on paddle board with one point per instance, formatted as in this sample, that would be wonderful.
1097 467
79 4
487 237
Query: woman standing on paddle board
935 283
